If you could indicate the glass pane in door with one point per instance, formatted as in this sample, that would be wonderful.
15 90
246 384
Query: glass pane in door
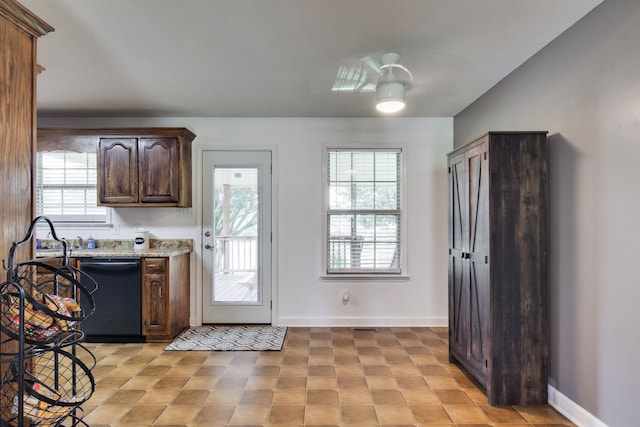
235 220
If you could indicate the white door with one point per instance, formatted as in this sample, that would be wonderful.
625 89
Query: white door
236 237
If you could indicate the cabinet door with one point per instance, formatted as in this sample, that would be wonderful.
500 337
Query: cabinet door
117 170
477 258
159 170
155 297
468 259
458 287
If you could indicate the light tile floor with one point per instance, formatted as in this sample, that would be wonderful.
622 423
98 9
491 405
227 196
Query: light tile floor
322 376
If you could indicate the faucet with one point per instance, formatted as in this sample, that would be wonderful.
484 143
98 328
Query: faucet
79 242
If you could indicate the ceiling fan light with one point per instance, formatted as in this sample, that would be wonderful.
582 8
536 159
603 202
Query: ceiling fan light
390 106
390 97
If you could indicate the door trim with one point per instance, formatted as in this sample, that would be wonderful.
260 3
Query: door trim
197 267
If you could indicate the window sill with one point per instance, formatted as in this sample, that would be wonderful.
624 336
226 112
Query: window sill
364 278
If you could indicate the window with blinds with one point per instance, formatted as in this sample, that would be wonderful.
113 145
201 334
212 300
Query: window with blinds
66 187
363 211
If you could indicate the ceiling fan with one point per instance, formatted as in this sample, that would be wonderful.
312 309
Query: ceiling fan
383 75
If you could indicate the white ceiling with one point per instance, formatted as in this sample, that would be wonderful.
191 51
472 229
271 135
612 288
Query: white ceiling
279 58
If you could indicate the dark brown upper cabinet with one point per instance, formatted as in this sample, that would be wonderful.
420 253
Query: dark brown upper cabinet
135 166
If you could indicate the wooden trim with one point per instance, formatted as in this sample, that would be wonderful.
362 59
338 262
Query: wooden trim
485 137
24 18
156 132
86 140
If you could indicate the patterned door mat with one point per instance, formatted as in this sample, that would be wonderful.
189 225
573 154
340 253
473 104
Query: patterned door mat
230 338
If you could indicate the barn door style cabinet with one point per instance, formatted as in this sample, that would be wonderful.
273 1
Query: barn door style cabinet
498 286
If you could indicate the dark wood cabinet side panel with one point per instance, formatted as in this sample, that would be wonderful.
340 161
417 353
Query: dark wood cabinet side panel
186 190
180 301
519 194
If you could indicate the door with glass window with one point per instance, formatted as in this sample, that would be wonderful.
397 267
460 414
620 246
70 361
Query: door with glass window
236 237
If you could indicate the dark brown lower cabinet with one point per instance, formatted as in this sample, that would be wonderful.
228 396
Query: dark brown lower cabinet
498 279
165 297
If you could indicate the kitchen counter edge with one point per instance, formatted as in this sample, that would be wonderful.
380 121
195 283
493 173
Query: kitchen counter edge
110 252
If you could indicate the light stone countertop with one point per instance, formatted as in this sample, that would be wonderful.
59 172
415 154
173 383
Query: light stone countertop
121 248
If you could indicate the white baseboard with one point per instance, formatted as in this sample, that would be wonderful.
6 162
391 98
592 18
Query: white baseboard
574 412
363 321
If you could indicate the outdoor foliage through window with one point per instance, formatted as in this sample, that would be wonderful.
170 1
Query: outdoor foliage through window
363 215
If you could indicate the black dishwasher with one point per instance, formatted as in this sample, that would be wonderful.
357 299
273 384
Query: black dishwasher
117 317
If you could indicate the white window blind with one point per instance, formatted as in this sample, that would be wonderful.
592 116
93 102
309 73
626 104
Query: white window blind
363 213
66 187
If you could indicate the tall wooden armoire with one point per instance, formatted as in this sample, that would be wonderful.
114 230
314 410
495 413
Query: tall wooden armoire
19 30
498 284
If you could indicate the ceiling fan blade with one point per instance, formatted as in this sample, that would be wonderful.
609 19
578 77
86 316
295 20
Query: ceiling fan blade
373 63
364 74
354 76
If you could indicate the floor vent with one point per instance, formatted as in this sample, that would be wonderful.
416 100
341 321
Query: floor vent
364 329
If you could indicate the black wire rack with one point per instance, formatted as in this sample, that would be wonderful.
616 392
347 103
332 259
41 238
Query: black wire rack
45 374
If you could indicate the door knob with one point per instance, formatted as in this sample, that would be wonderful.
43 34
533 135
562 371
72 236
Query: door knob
207 246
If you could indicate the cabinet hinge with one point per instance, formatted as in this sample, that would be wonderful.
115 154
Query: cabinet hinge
486 260
485 155
449 169
486 363
449 251
271 305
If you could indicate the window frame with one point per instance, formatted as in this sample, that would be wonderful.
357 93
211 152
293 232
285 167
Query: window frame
75 221
365 274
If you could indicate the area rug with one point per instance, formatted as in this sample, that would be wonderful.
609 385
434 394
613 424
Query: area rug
230 338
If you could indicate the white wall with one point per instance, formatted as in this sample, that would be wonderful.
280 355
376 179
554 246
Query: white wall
584 88
302 298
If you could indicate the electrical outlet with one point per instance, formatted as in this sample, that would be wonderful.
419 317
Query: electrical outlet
345 297
184 212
